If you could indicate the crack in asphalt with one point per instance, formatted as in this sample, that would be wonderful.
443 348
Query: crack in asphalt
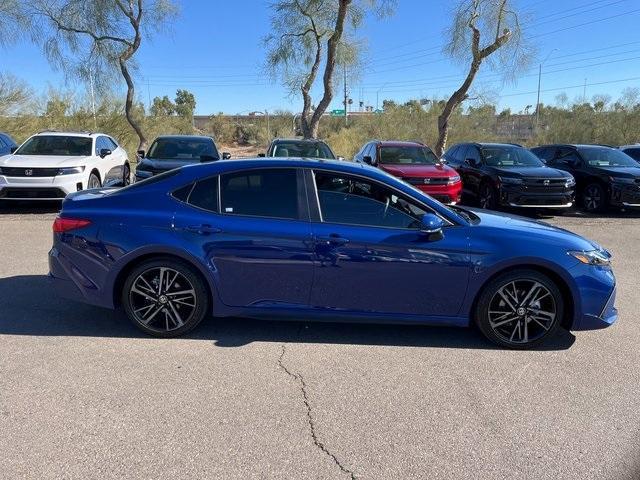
312 426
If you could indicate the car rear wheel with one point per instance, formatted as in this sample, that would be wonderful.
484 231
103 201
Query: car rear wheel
520 309
487 197
593 198
94 182
165 297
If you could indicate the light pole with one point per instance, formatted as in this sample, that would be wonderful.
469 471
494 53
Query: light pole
378 95
539 84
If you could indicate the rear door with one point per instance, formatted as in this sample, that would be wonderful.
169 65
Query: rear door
252 227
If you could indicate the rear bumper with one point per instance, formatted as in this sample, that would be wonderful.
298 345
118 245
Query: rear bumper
40 188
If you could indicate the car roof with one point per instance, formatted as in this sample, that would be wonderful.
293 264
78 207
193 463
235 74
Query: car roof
575 145
298 140
70 133
496 144
624 147
399 143
184 137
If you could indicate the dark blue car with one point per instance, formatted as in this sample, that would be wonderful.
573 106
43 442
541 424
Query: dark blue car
7 144
322 240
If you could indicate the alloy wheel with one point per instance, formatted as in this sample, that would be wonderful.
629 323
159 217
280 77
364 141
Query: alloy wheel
162 299
592 198
94 182
486 197
522 311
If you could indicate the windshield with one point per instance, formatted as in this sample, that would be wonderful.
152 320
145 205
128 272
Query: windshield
303 149
607 157
182 149
407 156
57 145
510 157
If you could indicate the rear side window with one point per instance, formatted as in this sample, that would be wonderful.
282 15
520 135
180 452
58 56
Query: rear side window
205 194
261 193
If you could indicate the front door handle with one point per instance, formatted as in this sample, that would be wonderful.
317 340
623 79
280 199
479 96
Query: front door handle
202 229
333 239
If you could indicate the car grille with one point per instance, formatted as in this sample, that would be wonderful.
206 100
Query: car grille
31 193
426 181
28 172
543 185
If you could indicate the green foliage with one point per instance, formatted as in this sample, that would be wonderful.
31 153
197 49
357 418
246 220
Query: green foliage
185 103
162 107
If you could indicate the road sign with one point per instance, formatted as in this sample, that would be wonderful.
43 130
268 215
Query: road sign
337 113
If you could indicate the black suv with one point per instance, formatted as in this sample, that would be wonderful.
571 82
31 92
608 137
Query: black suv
633 151
605 175
497 174
299 147
173 151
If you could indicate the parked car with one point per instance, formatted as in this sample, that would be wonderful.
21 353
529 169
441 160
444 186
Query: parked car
7 144
299 148
506 175
606 176
633 151
416 164
50 165
319 240
174 151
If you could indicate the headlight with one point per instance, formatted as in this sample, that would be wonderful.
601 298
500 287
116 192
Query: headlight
571 182
594 257
70 170
453 180
510 180
623 180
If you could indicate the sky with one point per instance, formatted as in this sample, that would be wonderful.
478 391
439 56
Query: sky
215 50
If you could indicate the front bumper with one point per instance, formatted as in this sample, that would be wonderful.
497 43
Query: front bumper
597 292
623 195
447 194
523 197
40 188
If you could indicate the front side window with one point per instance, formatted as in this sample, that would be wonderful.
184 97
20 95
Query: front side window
510 156
607 157
182 149
355 201
407 155
261 193
302 149
57 145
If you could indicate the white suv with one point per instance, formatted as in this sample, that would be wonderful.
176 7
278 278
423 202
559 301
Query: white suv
50 165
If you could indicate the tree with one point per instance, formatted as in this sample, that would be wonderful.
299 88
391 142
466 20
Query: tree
13 22
473 21
296 48
162 107
185 103
104 34
14 94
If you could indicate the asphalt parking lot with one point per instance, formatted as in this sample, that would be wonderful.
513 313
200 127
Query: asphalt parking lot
84 395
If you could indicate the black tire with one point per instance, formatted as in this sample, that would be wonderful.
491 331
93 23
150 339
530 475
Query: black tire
164 313
532 322
487 198
94 181
594 198
126 175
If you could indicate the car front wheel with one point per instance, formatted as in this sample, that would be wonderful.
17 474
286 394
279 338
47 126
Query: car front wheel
165 297
520 309
94 182
487 198
593 198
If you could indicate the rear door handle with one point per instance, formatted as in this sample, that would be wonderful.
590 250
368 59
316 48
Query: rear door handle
333 239
202 229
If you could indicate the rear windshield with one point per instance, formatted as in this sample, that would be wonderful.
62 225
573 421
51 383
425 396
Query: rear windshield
150 181
182 149
57 145
607 157
302 149
510 157
407 156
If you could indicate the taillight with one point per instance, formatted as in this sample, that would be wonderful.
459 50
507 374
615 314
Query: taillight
62 225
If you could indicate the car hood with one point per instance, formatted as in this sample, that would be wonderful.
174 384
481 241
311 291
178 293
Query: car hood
436 171
42 161
530 172
515 226
165 164
626 172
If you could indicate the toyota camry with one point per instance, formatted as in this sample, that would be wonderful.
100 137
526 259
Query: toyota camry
322 240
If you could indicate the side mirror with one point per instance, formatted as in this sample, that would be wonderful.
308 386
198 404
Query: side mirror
104 152
261 155
367 159
13 149
140 153
432 227
226 155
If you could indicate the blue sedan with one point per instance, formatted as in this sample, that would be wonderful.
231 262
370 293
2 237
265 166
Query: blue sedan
321 240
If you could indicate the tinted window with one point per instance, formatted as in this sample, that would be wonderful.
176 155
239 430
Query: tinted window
451 155
182 149
544 153
111 143
633 153
302 149
472 153
565 157
407 155
509 156
606 157
57 145
205 194
262 193
355 201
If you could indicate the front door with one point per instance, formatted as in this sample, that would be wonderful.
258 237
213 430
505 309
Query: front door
371 256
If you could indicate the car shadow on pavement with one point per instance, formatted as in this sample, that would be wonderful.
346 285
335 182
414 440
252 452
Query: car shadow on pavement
17 207
27 307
